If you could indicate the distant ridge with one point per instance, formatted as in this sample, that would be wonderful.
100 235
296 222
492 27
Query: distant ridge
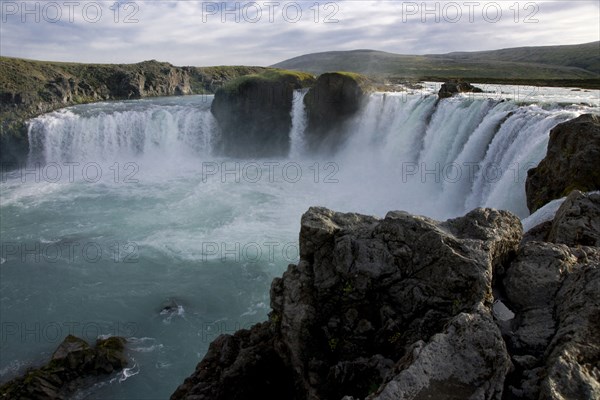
580 61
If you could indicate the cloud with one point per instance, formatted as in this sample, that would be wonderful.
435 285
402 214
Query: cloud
265 32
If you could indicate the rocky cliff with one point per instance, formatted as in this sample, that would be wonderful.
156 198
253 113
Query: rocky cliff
572 162
30 88
330 103
254 113
406 307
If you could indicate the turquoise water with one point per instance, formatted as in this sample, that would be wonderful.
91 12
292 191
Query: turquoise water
129 210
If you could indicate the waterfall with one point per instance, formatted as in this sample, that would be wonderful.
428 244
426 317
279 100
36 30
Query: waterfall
444 158
401 151
108 131
297 148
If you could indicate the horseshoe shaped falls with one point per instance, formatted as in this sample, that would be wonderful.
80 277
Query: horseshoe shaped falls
128 221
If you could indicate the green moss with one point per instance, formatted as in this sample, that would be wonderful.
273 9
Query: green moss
270 76
333 344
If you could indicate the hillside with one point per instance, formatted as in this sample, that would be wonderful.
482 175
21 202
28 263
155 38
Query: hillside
549 63
29 88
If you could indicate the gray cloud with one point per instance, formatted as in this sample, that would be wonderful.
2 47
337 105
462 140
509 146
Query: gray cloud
192 32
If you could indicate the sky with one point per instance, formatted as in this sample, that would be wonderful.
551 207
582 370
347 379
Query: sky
203 33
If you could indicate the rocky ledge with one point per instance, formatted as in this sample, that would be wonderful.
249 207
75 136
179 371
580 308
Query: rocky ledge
74 365
572 162
406 307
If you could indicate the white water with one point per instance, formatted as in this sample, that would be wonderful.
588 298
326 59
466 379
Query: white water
173 222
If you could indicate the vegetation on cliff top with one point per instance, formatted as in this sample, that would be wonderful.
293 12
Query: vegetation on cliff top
271 76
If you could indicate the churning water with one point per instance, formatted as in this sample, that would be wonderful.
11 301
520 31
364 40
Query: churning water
126 223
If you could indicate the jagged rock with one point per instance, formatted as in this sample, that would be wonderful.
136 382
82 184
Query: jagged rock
571 162
577 221
556 312
452 365
73 362
254 113
334 98
369 300
573 357
453 87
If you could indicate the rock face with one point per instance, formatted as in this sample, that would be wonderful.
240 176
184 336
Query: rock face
335 98
374 307
571 162
73 362
254 114
401 308
554 341
453 87
30 88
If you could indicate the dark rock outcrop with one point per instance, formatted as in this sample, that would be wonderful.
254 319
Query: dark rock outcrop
401 306
577 221
571 162
453 87
254 113
555 341
72 366
334 98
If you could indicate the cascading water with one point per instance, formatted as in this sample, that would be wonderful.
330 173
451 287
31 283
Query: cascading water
299 120
159 128
101 256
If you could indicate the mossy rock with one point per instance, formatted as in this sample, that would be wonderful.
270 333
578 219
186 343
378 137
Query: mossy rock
254 113
334 99
71 366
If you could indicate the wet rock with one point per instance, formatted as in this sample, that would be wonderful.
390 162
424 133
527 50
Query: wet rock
330 103
72 365
453 87
571 162
254 113
369 300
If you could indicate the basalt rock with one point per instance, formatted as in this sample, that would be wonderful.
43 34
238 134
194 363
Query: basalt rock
453 87
74 364
254 113
330 103
571 162
381 307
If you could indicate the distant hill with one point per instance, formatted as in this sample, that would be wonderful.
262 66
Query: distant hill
581 61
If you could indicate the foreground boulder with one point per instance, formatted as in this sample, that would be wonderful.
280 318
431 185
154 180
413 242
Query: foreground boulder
393 308
571 162
254 113
330 103
453 87
70 368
